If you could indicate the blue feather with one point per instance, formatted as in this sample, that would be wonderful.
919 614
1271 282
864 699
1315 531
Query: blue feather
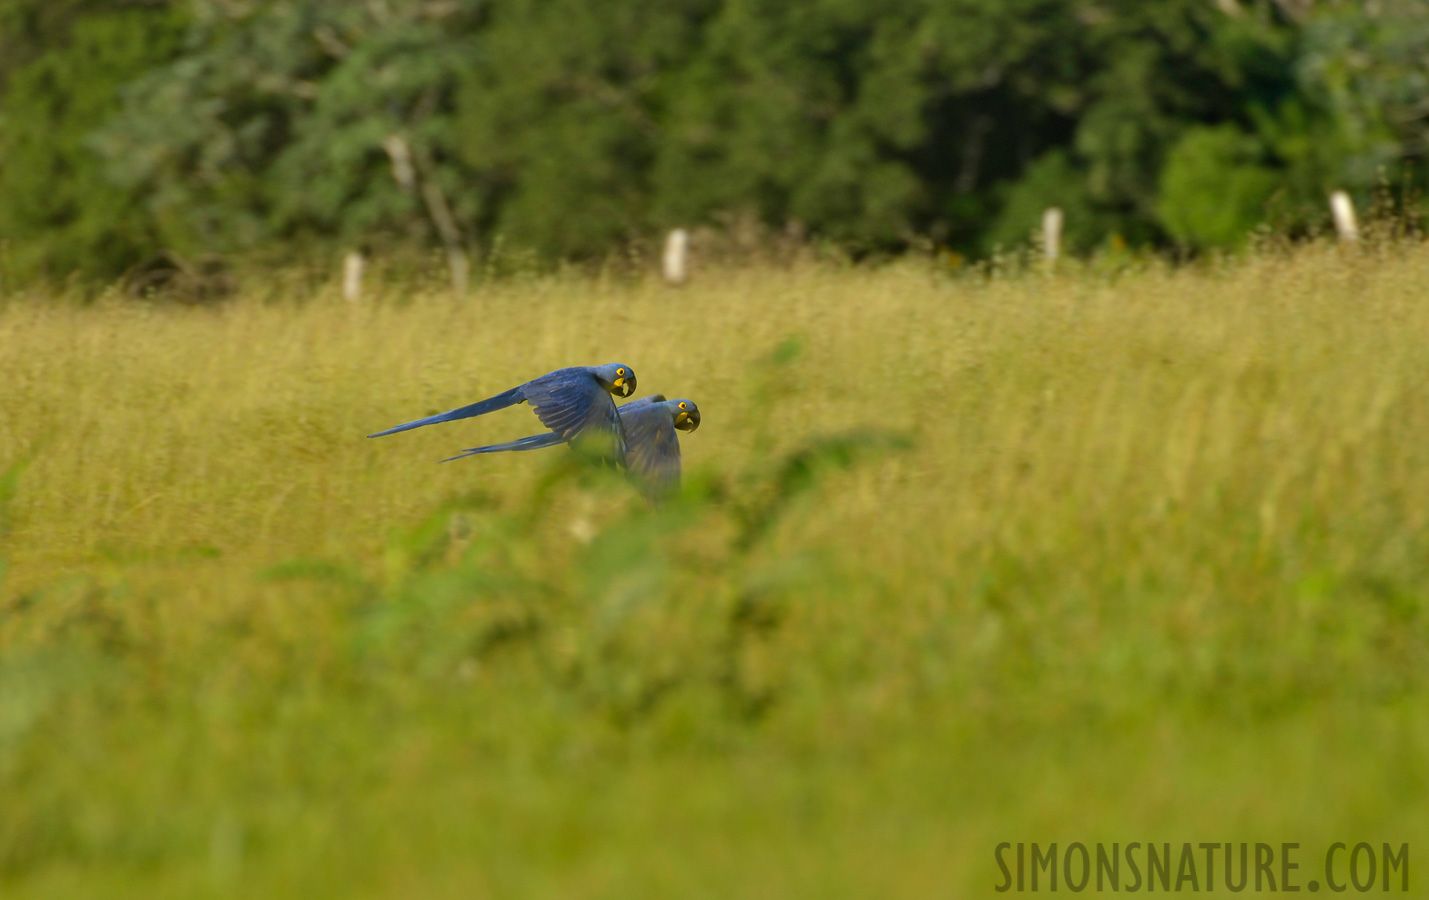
500 401
534 442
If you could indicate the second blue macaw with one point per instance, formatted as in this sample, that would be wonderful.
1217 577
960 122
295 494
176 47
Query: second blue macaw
574 403
652 447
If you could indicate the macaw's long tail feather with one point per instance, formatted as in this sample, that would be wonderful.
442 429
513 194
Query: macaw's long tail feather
500 401
534 442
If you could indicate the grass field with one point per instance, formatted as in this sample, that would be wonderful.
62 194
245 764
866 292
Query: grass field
963 560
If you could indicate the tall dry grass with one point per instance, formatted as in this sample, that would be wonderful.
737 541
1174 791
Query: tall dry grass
967 559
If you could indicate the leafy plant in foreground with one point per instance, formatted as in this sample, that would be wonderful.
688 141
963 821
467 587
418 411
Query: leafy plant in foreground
615 615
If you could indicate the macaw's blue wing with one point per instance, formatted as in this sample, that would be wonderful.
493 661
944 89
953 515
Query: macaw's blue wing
574 406
534 442
500 401
652 447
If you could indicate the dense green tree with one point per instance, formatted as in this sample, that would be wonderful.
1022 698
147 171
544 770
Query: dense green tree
803 112
1214 187
1052 180
1359 114
290 119
868 125
571 128
60 62
562 114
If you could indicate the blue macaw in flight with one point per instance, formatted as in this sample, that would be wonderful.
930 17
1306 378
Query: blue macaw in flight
652 447
575 403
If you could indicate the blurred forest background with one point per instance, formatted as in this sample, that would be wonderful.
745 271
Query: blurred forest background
569 129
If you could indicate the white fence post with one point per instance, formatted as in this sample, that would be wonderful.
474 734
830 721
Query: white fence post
1051 233
352 266
1344 212
677 246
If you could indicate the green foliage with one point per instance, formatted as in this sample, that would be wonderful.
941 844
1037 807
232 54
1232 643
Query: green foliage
60 213
559 117
1356 118
1367 72
806 113
275 123
1159 70
566 130
1053 180
866 126
1213 188
632 621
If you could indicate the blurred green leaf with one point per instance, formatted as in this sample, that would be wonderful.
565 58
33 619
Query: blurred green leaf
1214 190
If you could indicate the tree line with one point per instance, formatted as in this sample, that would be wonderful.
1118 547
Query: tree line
569 128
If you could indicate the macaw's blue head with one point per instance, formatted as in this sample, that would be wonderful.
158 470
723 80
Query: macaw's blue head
687 414
617 378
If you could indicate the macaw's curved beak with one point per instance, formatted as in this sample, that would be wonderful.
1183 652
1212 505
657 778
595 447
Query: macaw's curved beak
624 387
688 421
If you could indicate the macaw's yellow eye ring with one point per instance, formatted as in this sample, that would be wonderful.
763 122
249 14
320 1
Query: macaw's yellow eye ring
620 372
684 406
